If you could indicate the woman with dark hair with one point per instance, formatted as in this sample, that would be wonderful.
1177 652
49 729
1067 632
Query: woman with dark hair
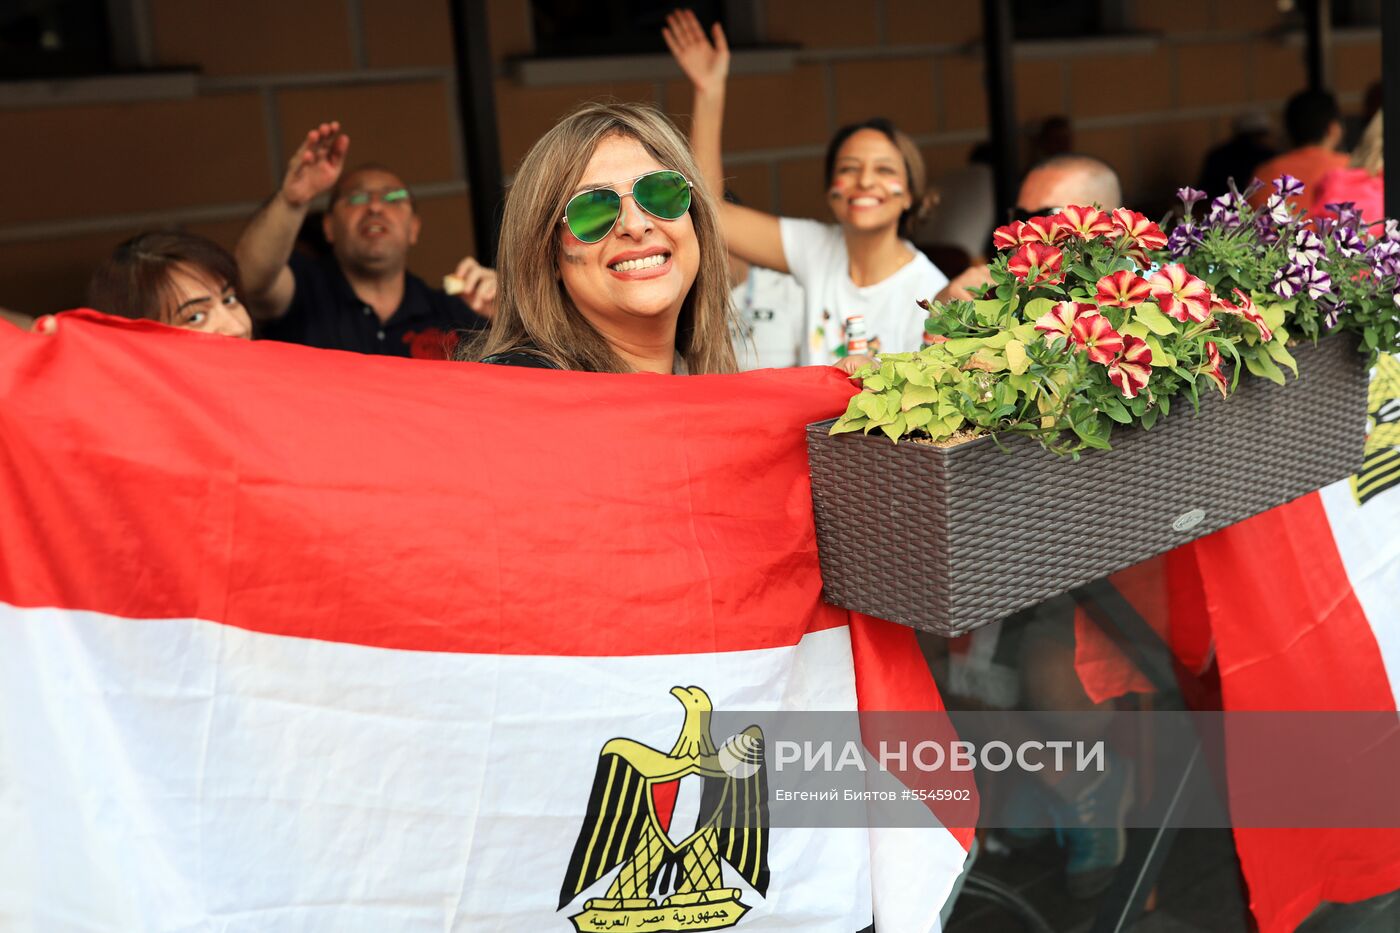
610 260
175 278
860 271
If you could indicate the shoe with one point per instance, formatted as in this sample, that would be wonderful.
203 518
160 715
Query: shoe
1091 829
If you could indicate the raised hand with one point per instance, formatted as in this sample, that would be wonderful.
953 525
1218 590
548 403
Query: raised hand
476 284
705 63
315 165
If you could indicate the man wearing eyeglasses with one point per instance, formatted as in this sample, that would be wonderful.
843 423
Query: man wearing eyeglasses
362 298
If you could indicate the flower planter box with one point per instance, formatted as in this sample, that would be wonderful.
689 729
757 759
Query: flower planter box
949 539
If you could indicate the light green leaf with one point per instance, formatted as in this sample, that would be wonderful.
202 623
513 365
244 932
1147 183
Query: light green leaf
1157 322
894 429
844 426
1273 314
917 417
963 346
876 383
989 311
1160 357
1278 350
1135 329
1016 359
1036 308
871 406
915 395
1258 363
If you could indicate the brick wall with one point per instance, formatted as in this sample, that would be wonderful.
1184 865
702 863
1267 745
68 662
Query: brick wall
84 175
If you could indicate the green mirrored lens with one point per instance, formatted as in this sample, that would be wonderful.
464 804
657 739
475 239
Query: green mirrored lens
591 214
358 199
664 194
396 196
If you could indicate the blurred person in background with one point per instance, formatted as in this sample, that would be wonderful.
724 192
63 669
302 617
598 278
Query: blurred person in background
1362 183
860 268
1239 157
957 231
768 314
362 297
1314 125
1052 185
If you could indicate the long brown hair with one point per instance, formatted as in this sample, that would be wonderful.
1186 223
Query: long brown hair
134 281
534 310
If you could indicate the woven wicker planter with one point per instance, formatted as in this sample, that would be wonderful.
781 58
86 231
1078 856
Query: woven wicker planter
949 539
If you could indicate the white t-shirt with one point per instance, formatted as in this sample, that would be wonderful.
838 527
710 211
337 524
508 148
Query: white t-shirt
894 323
769 309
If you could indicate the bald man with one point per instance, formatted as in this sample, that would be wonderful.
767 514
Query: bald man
1055 183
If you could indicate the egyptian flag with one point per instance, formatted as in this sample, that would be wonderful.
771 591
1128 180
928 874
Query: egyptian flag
1303 605
303 640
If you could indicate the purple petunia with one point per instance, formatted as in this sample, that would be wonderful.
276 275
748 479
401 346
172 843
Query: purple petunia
1225 212
1183 239
1349 242
1189 198
1331 310
1287 186
1305 247
1296 278
1265 229
1277 208
1347 214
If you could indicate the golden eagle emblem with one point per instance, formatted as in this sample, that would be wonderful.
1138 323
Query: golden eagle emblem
1380 470
670 820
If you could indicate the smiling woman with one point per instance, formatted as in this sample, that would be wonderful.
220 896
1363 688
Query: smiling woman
611 260
859 269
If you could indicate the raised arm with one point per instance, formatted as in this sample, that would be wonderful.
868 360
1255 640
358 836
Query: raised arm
268 240
752 235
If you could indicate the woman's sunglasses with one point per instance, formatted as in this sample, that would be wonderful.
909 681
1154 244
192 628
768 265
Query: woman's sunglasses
590 215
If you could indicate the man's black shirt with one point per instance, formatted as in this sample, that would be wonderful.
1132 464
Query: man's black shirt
325 312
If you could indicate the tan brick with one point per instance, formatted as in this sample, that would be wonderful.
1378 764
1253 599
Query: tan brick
1170 155
898 88
932 21
1040 89
252 36
1179 16
1117 148
964 93
510 28
766 111
223 232
151 156
524 114
56 271
752 183
399 35
820 24
1356 67
1212 73
406 127
1258 15
1110 84
446 238
941 160
1276 71
802 189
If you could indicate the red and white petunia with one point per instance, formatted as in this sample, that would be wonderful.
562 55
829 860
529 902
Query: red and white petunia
1037 264
1097 336
1212 368
1122 289
1087 223
1180 294
1131 369
1010 236
1139 229
1246 310
1059 320
1049 229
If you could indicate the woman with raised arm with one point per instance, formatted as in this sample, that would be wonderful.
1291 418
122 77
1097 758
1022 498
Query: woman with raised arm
860 267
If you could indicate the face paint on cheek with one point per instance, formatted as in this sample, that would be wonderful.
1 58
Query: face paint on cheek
896 188
571 257
837 191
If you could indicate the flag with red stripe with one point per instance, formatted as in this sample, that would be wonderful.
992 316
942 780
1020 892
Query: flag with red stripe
299 640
